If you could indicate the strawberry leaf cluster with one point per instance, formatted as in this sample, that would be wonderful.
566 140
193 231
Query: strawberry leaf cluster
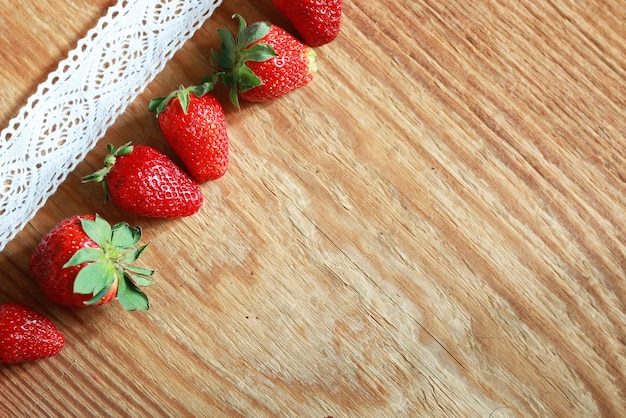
159 104
231 60
111 264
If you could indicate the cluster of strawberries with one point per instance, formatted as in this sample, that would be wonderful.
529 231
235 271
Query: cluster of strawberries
86 261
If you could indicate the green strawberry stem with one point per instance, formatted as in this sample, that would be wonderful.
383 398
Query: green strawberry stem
109 162
158 104
230 61
111 264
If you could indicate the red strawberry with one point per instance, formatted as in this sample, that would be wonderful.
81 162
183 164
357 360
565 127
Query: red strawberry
317 21
143 181
84 261
26 335
193 123
263 62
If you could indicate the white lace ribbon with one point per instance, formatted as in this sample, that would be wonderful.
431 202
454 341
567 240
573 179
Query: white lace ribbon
67 115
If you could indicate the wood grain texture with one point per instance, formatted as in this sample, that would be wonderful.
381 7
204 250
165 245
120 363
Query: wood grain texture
436 226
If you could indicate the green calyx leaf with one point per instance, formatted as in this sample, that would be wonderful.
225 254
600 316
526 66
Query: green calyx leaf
243 25
98 230
111 264
247 35
95 278
84 255
258 53
159 104
230 61
132 256
124 236
139 275
247 78
226 58
131 297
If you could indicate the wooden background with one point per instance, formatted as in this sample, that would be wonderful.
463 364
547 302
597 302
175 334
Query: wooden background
436 226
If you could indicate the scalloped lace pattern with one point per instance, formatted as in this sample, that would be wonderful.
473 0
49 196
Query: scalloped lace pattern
67 115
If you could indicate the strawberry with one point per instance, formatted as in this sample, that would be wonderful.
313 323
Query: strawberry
84 261
263 62
317 21
193 123
26 335
143 181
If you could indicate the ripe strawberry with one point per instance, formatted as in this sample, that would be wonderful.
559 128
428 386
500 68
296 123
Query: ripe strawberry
143 181
26 335
193 123
263 62
84 261
317 21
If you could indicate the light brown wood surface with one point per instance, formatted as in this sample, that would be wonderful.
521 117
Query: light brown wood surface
435 226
